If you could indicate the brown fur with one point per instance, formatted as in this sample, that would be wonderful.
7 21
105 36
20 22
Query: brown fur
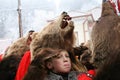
85 59
20 46
111 68
56 37
105 35
8 67
38 68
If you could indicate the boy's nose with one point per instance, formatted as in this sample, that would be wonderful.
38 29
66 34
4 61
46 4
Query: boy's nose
65 58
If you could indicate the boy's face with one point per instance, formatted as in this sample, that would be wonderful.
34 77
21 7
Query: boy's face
61 63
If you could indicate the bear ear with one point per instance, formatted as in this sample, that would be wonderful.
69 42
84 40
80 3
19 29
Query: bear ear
64 12
49 65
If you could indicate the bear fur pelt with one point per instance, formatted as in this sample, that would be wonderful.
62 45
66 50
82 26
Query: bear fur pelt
20 46
8 67
105 35
111 68
36 70
58 34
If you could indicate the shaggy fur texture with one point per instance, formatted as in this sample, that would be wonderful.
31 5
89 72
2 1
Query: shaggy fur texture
58 34
54 36
37 69
105 35
20 46
8 67
111 68
79 50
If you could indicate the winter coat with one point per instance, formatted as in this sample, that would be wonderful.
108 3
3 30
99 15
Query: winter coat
71 76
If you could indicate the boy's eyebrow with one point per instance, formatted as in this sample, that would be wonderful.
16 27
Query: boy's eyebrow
56 55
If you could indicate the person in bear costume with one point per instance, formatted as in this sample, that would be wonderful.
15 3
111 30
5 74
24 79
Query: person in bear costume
58 34
106 44
105 35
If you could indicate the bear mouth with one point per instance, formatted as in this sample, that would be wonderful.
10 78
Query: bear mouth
65 20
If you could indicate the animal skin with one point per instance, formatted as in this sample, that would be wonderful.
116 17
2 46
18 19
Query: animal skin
105 36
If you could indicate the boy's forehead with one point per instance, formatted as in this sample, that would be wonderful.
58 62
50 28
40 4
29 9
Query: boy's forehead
63 51
56 54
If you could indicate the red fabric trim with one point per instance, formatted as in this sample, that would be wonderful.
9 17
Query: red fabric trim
85 76
23 66
92 72
1 56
